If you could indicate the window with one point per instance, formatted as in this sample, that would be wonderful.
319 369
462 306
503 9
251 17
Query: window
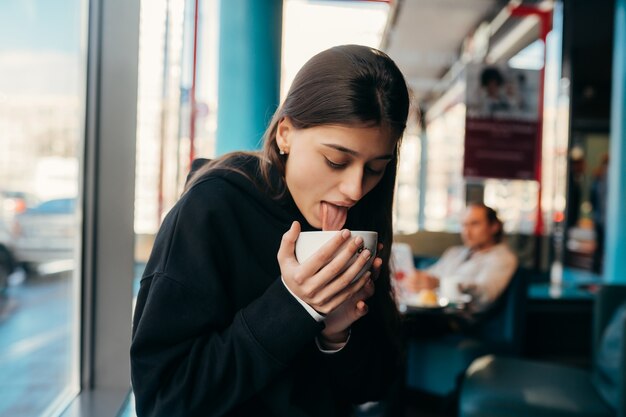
42 110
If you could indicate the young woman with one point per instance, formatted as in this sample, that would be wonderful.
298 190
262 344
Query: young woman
227 322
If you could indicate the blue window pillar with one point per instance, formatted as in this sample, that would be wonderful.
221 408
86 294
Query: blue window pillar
249 71
615 255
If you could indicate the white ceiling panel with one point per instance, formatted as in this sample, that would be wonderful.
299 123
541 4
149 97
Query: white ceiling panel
425 36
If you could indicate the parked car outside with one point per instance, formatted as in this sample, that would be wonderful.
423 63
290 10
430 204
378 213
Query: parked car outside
12 203
15 202
46 232
7 260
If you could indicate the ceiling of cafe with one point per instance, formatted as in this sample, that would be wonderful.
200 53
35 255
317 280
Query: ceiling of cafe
424 37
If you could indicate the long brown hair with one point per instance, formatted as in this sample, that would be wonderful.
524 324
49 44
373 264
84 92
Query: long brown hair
349 85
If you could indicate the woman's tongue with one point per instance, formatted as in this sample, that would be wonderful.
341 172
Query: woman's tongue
333 217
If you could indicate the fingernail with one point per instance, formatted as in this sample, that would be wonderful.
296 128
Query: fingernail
345 233
358 240
366 254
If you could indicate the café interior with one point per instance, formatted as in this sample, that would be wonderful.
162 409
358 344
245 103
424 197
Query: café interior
131 93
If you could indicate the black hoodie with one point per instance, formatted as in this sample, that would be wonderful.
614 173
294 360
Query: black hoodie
215 331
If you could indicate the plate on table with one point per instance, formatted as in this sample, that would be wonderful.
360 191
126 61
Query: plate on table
460 300
424 300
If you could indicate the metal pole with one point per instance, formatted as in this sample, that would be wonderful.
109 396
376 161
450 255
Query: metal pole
615 240
192 97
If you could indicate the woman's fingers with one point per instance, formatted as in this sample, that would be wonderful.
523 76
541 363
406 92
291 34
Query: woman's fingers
286 251
376 265
336 283
343 288
361 308
340 262
323 256
337 267
365 292
326 280
355 299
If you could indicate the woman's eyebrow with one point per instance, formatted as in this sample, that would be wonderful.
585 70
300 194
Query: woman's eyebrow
353 152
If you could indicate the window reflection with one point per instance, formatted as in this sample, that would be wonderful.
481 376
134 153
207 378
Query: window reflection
42 106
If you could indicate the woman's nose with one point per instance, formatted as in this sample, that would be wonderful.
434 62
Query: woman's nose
352 184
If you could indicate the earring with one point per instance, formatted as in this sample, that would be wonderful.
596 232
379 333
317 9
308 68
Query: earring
281 152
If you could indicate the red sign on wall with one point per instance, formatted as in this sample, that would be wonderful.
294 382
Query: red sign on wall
500 148
501 125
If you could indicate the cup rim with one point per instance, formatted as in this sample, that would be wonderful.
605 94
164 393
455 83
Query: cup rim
337 231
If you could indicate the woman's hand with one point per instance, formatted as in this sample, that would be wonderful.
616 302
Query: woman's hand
339 321
318 282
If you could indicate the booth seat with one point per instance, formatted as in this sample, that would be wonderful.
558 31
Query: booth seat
501 386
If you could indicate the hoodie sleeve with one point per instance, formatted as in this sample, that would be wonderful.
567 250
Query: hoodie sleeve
192 353
368 364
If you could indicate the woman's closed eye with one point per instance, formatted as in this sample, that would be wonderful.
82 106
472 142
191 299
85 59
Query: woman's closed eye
335 165
341 165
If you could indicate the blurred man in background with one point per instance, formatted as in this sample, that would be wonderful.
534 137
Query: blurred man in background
481 268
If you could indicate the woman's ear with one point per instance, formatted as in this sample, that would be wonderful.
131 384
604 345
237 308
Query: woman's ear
283 134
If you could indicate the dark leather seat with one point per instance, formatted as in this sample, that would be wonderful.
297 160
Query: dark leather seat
500 386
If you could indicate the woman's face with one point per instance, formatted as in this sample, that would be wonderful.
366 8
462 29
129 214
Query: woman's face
332 166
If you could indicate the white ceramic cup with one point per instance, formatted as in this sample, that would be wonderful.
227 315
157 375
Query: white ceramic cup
449 288
310 242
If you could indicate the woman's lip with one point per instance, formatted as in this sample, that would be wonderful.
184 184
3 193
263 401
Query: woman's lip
339 204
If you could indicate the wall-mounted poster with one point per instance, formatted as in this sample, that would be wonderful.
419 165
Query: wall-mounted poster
502 122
